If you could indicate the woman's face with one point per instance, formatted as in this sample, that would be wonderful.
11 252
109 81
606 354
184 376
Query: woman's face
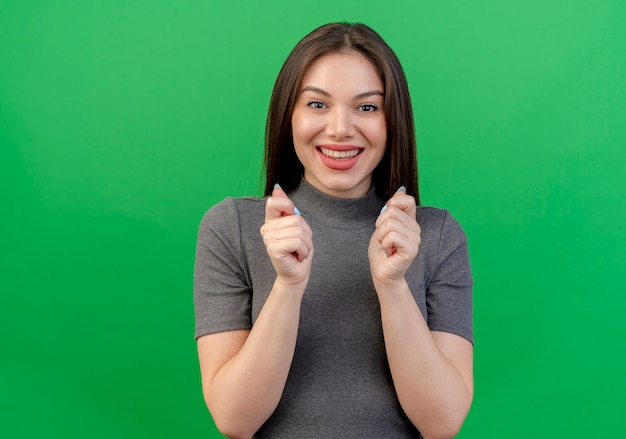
338 124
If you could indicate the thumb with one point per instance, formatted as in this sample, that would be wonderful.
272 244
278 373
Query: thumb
278 191
279 204
401 191
401 200
404 202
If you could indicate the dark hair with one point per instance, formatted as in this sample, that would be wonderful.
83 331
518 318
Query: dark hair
399 164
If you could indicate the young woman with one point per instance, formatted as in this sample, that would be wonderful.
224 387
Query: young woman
349 314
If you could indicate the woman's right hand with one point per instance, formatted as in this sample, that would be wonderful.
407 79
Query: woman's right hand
244 371
288 240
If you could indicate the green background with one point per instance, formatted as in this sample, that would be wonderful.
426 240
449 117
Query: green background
121 122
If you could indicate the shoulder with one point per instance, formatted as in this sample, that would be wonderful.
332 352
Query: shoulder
441 233
232 211
438 222
449 275
232 221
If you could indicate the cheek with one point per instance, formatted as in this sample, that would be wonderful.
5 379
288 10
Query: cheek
299 135
296 125
379 132
303 129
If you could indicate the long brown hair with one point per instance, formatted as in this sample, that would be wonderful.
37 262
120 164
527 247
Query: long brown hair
399 164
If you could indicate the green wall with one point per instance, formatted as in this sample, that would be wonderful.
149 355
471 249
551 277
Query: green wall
121 122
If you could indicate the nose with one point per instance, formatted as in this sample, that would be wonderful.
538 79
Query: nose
340 124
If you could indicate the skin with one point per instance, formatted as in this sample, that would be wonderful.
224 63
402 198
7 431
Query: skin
340 109
432 371
244 372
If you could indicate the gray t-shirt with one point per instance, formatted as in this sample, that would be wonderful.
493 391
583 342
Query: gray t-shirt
339 384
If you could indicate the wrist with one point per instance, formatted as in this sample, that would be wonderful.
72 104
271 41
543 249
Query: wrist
290 286
391 287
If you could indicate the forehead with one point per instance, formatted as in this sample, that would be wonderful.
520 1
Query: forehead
342 68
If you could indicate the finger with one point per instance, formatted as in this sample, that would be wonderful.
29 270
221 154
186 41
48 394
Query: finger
388 244
279 192
279 205
398 221
288 235
395 229
304 253
401 200
395 218
281 247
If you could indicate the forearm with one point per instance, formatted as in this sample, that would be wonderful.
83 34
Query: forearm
432 392
247 389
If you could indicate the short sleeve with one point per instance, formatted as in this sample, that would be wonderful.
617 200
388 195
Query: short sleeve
449 291
222 294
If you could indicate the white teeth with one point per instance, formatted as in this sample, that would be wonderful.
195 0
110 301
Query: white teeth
340 154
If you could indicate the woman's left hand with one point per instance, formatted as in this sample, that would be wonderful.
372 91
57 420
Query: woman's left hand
395 243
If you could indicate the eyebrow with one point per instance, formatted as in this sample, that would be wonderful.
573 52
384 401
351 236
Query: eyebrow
325 93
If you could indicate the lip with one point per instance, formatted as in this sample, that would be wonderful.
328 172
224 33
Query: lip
339 164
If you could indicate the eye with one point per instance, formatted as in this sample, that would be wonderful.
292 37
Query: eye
316 105
368 107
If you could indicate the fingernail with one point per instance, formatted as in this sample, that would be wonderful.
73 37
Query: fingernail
296 211
402 188
383 209
277 186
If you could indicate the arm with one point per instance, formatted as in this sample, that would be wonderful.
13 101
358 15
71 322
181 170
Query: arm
244 372
431 370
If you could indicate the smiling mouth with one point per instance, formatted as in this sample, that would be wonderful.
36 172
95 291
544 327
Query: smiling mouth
340 155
